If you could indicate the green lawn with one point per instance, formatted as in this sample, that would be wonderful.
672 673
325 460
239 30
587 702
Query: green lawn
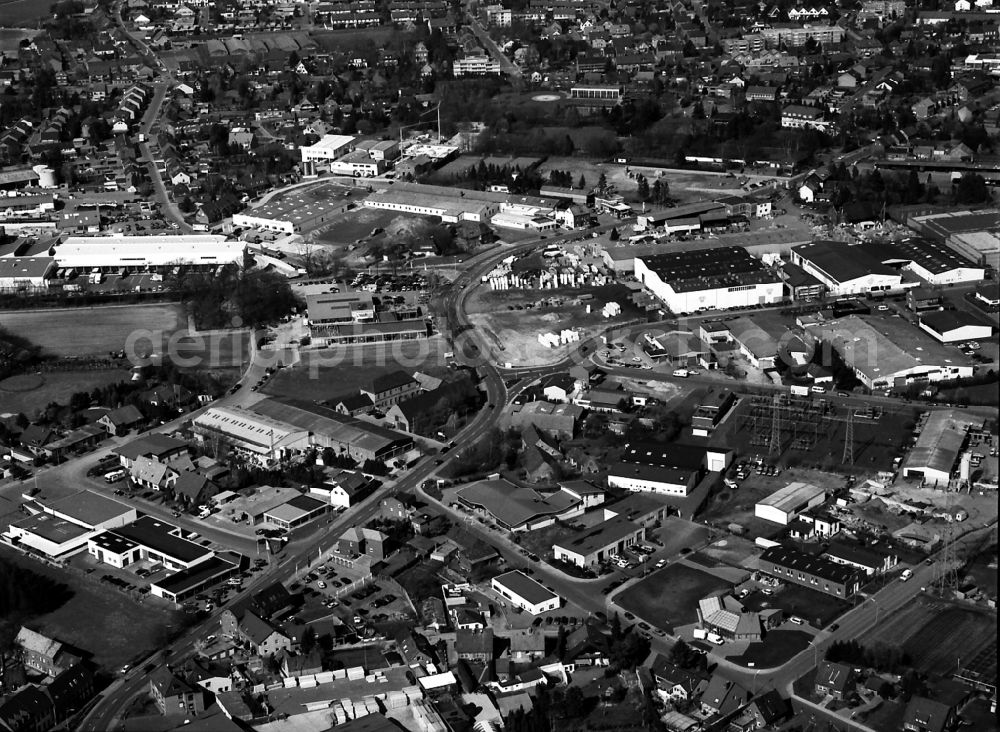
777 648
670 596
101 620
17 394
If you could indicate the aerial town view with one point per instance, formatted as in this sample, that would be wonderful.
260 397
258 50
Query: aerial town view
519 365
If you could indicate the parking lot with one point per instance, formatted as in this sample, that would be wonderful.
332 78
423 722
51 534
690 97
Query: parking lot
332 590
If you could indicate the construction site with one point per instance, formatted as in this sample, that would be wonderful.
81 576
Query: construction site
790 431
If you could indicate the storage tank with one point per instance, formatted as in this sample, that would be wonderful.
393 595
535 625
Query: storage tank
46 176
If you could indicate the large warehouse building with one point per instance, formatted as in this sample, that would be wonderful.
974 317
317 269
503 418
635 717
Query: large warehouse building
708 279
973 234
595 545
939 445
276 429
931 261
517 508
664 468
955 326
786 503
885 359
60 529
147 253
846 270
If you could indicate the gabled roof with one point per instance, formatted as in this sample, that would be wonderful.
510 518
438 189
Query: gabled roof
926 714
35 642
191 484
124 416
256 628
386 382
169 684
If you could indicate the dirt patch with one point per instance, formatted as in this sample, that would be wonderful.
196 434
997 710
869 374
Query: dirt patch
510 321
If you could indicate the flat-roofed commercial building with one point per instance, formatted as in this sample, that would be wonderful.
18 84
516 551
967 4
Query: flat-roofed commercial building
973 234
845 269
817 573
709 279
296 512
150 539
445 203
294 211
786 503
889 355
62 528
329 147
667 469
521 591
142 253
187 583
593 546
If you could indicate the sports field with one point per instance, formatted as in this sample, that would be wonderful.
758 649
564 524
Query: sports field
95 331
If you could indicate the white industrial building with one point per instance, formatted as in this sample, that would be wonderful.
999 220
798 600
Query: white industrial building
955 326
846 270
523 592
330 147
62 528
157 252
666 469
932 261
786 503
709 279
936 453
884 357
25 273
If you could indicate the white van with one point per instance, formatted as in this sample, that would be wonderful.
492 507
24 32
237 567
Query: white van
681 373
907 573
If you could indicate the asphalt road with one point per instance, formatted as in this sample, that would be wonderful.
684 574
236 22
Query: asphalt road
506 65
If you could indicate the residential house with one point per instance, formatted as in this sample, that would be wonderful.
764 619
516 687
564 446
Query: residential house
194 488
353 404
527 645
723 697
927 715
119 421
391 388
474 645
27 710
362 542
43 654
765 710
674 683
147 472
260 636
172 693
834 679
343 489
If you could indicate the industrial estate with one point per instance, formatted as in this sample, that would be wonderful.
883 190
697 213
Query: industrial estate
379 365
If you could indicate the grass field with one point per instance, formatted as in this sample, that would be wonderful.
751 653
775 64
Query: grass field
102 621
55 386
96 331
23 12
332 372
670 597
777 648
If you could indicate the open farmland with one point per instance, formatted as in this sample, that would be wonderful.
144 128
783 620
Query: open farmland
936 634
669 597
95 331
